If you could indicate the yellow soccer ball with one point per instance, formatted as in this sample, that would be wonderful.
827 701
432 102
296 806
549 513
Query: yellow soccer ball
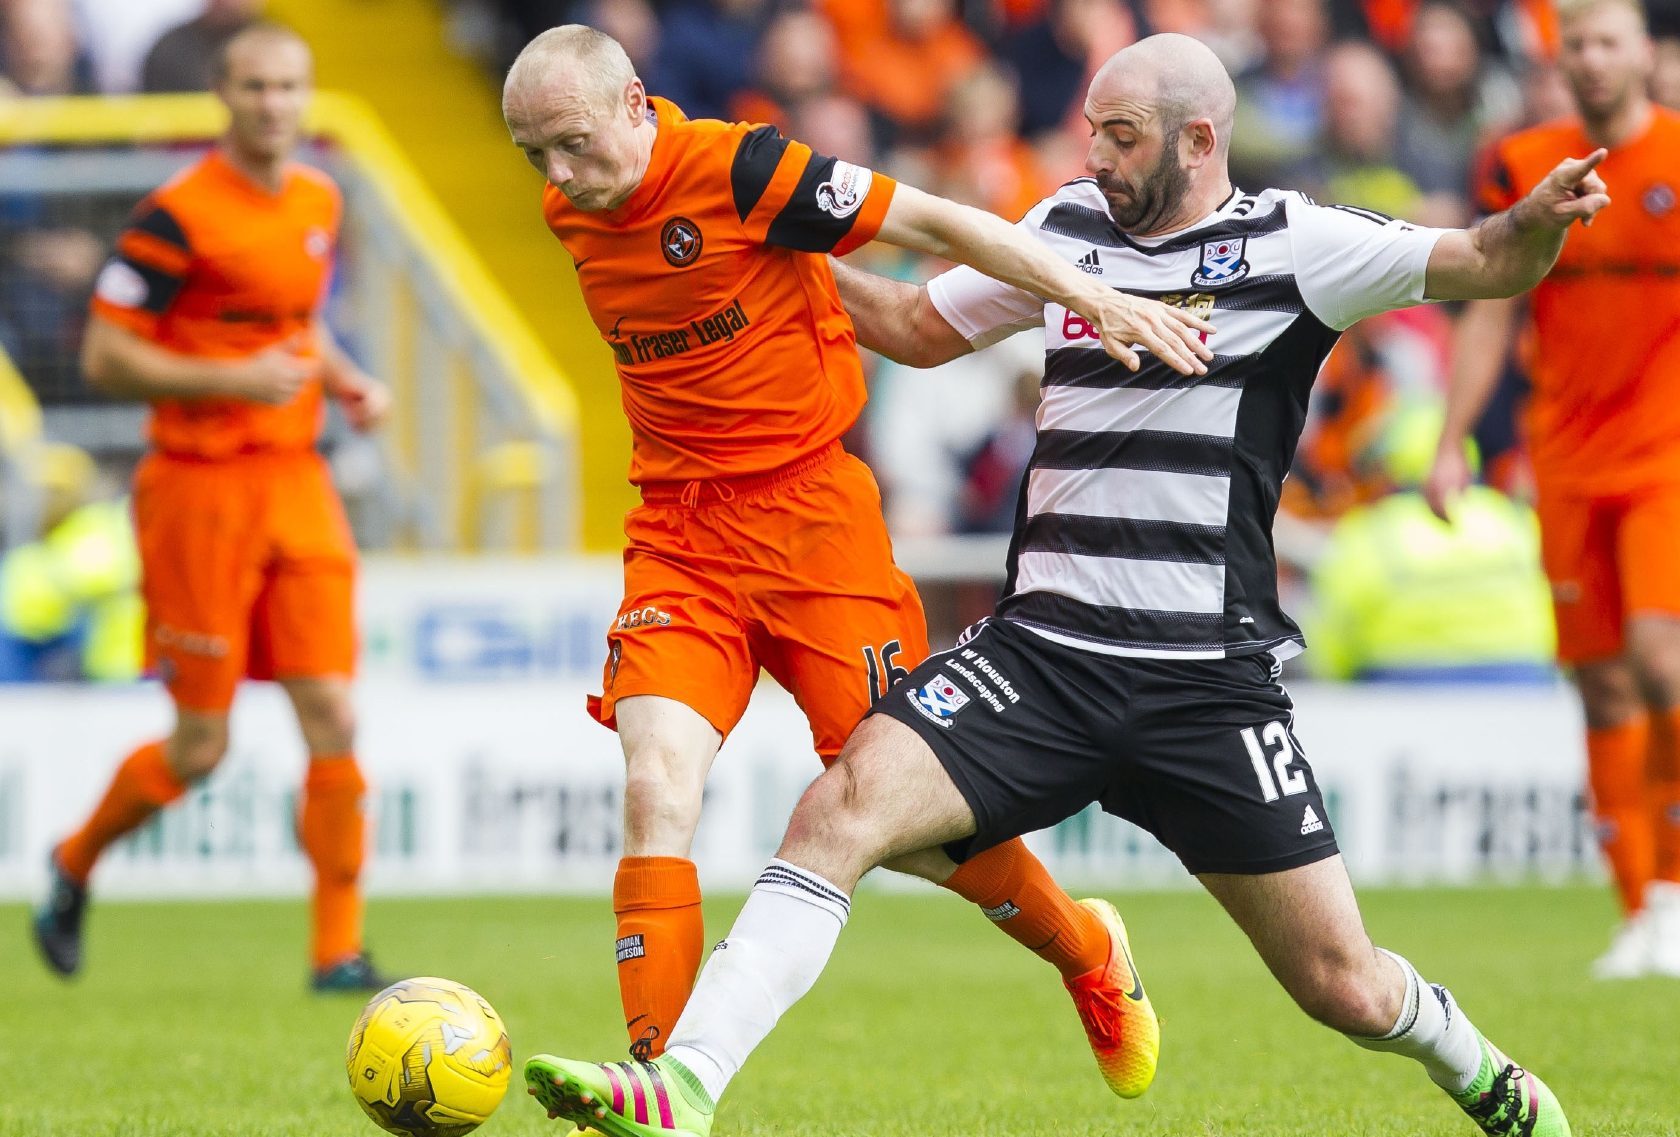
429 1058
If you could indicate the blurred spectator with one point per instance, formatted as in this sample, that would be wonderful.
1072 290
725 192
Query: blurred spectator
1454 102
118 33
980 158
798 59
989 498
1523 31
633 23
1055 54
69 602
1354 161
46 278
1403 596
1665 76
901 58
933 429
1378 363
834 124
707 53
1280 101
185 57
38 50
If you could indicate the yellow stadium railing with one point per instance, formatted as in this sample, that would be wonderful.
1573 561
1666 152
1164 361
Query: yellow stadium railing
480 489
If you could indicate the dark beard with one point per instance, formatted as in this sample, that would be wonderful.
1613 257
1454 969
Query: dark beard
1148 205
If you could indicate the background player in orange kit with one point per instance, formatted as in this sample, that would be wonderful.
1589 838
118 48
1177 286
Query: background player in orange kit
759 542
1604 428
211 309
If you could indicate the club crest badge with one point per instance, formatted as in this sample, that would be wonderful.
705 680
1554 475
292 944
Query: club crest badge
680 241
937 700
1223 262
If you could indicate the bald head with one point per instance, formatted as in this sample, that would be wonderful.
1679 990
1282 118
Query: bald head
1160 113
574 58
1178 76
574 105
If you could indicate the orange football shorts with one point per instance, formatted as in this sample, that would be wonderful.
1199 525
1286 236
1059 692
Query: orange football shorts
1609 557
248 571
791 571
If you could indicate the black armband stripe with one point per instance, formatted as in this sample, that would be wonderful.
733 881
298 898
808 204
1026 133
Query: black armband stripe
756 159
161 287
156 221
803 224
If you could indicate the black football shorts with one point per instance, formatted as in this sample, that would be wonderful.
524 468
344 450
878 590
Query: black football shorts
1199 752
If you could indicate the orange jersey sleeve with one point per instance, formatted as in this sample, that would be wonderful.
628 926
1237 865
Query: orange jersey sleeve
711 286
1605 415
215 266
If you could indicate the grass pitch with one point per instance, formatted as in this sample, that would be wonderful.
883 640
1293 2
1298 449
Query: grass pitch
192 1019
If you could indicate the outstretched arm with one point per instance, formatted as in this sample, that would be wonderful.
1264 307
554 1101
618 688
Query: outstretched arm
897 318
1510 251
940 228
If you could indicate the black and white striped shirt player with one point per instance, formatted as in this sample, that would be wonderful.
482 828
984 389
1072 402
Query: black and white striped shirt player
1144 526
1135 655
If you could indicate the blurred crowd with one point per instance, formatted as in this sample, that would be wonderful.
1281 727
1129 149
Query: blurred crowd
1384 104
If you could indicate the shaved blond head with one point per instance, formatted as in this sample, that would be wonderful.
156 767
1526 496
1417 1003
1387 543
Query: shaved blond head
589 61
1179 76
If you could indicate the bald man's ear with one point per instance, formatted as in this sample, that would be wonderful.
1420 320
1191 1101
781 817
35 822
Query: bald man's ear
635 100
1198 141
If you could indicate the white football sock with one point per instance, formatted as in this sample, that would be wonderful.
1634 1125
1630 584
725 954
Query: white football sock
780 943
1433 1031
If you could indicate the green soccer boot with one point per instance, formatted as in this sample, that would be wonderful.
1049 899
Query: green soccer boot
1508 1101
622 1099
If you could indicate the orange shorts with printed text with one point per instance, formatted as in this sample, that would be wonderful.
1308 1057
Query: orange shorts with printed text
790 571
248 570
1609 557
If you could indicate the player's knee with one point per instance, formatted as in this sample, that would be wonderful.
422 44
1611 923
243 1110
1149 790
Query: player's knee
662 793
1610 694
329 724
833 818
1655 657
1345 996
195 750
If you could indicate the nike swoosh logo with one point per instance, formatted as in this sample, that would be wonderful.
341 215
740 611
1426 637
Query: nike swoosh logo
639 1018
1136 993
1054 936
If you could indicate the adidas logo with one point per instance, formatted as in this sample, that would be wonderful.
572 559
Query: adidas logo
1089 263
1310 822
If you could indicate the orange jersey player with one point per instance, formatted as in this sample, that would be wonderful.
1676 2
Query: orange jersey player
701 251
211 310
1604 429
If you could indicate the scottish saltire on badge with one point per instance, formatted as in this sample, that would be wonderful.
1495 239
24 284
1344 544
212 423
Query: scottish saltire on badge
938 699
1222 263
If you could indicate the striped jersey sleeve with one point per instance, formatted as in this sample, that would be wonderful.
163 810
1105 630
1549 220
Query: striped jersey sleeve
789 196
1351 263
146 270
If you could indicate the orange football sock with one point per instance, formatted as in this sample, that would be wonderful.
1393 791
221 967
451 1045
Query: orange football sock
661 936
1016 892
332 828
142 785
1664 789
1617 757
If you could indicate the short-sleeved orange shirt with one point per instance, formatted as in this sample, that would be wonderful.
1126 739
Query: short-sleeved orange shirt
1605 416
711 287
216 266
